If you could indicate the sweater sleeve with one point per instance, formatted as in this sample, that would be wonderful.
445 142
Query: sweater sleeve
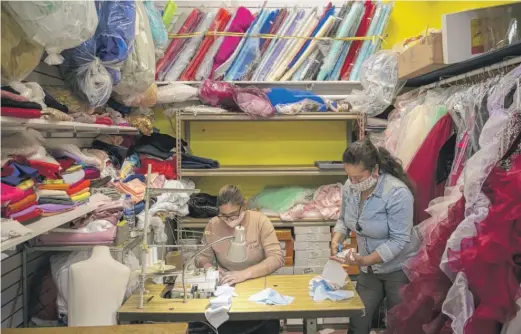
207 258
274 258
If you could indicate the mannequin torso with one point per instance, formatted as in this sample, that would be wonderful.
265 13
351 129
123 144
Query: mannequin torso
96 289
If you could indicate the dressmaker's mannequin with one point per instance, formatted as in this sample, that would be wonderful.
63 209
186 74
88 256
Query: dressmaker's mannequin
96 289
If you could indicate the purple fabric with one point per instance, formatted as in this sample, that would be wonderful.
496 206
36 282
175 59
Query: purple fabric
24 212
55 207
101 238
280 46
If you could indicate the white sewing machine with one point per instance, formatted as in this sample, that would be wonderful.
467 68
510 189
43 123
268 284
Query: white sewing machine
200 285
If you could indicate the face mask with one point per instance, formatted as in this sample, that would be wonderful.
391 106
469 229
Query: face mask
363 185
234 223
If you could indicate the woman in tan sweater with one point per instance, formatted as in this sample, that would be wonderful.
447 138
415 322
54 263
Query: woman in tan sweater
263 249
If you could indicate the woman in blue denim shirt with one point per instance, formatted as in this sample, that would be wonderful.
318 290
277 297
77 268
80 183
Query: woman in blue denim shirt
377 204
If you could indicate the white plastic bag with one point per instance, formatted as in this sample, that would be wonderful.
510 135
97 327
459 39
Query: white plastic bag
176 93
57 25
138 71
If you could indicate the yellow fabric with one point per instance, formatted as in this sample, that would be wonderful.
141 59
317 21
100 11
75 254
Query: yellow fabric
73 168
50 181
26 184
81 197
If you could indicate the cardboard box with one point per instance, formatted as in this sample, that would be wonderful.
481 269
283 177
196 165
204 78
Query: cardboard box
313 237
283 234
290 246
423 57
304 270
311 245
311 262
312 254
311 230
288 261
284 271
351 270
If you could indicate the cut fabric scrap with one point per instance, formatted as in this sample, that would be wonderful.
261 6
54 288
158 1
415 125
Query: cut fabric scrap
271 297
217 312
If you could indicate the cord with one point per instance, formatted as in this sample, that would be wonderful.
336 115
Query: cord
211 327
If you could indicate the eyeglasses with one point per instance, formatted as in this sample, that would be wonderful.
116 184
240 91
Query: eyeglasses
231 216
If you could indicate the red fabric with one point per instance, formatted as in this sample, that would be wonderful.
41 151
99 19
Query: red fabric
420 309
66 162
164 167
104 120
176 44
487 259
92 173
221 20
355 47
49 170
30 216
7 170
78 186
20 112
422 169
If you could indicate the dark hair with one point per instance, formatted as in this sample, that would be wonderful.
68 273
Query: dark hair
365 153
230 194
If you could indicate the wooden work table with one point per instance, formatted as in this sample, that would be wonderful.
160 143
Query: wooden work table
179 328
174 310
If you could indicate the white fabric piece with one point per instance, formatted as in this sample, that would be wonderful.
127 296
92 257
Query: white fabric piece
320 289
176 93
42 155
31 90
513 326
334 273
217 312
94 226
271 297
158 227
132 262
459 303
74 177
71 150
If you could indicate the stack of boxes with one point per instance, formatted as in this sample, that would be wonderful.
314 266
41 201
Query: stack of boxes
312 249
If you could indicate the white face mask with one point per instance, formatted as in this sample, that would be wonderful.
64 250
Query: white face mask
363 185
236 222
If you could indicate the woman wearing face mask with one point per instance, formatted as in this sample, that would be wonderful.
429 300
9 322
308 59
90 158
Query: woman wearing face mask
263 250
377 204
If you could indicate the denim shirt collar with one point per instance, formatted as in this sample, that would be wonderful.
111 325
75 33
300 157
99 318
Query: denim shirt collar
378 191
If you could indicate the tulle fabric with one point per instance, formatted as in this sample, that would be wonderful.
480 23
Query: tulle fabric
422 299
487 259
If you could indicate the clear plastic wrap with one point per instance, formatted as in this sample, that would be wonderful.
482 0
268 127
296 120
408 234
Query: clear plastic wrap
176 93
159 33
254 102
189 49
57 25
92 68
138 70
217 93
20 55
379 79
30 90
293 101
147 99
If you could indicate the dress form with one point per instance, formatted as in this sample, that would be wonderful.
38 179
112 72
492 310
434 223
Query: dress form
96 289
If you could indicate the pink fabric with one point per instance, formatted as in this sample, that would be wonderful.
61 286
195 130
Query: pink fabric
240 23
11 194
13 96
218 94
254 102
325 205
101 238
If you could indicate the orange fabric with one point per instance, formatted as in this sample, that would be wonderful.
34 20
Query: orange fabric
21 205
53 186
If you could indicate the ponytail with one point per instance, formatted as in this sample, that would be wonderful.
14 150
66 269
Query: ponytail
364 152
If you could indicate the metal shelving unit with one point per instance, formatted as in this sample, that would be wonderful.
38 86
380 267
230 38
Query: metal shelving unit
277 222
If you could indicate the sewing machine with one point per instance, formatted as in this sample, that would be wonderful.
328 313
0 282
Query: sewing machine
201 284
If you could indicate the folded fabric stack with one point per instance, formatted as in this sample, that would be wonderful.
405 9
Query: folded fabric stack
16 105
248 57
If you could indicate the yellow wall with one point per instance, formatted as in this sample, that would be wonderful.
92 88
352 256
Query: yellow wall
292 143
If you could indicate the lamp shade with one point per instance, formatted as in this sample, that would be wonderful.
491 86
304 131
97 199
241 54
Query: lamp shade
237 251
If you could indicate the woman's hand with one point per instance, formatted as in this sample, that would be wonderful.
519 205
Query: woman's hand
234 277
354 260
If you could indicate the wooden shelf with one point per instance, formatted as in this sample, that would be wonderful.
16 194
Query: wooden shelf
268 170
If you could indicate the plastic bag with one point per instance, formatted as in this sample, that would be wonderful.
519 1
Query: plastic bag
254 102
292 101
202 206
147 99
92 68
281 199
217 93
57 25
159 33
31 90
20 55
176 93
138 71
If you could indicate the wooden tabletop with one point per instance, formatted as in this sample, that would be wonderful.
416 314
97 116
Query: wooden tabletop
161 309
178 328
